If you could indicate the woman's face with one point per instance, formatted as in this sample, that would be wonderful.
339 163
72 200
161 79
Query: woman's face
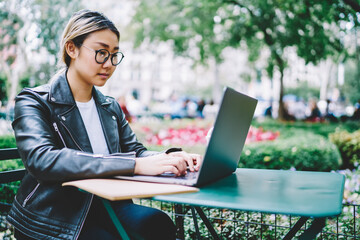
87 70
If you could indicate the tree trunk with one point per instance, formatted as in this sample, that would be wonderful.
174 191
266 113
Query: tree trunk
281 111
281 66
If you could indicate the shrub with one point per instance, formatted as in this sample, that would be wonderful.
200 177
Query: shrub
303 151
8 191
349 147
7 141
323 129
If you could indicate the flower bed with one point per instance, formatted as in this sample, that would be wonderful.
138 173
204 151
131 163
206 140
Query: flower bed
259 135
189 135
192 135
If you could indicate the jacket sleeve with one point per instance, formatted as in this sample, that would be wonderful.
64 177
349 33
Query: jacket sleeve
39 148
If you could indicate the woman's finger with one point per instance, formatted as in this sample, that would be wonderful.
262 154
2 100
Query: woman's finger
197 160
188 158
179 163
172 169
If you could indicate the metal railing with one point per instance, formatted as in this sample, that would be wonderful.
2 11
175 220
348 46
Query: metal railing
232 224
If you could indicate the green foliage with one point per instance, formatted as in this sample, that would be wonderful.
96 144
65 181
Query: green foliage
239 225
184 23
8 191
304 151
211 26
288 129
351 88
349 147
3 96
202 29
43 21
7 141
50 17
297 133
10 24
51 20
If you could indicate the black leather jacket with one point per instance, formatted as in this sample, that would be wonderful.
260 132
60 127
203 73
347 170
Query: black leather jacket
54 146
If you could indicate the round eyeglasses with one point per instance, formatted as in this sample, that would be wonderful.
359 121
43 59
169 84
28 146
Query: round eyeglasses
102 55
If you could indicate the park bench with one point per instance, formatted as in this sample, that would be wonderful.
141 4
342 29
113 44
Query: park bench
9 176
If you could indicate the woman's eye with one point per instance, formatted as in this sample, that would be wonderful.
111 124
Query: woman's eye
103 53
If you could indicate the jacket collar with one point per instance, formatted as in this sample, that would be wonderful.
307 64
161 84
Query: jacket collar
60 92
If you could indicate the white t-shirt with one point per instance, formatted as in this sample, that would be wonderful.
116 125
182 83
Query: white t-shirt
93 127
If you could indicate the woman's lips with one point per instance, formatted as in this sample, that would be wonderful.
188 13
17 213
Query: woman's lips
103 75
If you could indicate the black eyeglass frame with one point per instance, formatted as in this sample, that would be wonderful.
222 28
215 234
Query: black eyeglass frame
108 55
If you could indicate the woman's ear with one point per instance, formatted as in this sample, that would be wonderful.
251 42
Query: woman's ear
71 49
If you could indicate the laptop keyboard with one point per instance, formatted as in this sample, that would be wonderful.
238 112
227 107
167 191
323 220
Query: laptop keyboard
189 175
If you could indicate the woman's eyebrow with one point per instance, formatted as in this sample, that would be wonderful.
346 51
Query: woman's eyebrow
106 46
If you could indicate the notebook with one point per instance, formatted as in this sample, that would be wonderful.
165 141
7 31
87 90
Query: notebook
227 140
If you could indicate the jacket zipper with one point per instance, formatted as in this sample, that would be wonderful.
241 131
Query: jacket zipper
58 132
30 195
71 137
92 196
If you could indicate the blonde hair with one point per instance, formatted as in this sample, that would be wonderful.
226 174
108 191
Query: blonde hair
80 25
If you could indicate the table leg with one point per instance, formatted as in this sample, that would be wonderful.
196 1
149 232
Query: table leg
310 233
316 226
195 223
207 223
179 221
115 219
295 228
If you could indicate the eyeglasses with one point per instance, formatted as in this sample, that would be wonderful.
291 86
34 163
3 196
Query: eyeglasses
102 55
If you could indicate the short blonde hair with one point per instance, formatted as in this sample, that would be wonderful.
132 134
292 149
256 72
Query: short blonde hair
80 25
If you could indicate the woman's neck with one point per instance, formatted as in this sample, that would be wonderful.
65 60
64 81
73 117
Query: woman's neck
81 91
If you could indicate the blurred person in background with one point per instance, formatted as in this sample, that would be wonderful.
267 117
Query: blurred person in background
329 115
210 110
287 115
122 102
268 111
356 114
315 114
200 108
68 130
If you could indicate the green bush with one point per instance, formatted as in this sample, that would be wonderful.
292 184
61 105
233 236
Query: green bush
323 129
349 147
9 190
303 151
7 141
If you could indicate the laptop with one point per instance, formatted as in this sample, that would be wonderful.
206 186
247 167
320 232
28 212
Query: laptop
223 152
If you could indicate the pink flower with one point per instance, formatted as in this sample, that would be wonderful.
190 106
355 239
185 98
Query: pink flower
193 135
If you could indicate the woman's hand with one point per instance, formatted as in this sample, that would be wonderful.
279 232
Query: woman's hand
175 162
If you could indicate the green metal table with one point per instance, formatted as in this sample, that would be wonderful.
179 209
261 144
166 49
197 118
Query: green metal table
306 194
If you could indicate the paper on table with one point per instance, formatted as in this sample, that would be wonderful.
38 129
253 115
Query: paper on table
114 189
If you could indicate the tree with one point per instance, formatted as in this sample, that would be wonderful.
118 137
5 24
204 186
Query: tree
311 26
11 44
31 26
351 87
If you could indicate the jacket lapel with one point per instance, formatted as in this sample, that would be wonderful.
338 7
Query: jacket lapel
108 119
67 113
69 116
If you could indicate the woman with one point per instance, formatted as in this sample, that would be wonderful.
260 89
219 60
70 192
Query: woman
68 130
